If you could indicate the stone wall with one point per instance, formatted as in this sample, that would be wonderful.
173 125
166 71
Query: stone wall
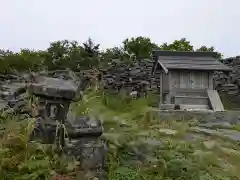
134 77
228 84
118 77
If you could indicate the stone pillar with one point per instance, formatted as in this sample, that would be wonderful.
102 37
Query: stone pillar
88 148
55 96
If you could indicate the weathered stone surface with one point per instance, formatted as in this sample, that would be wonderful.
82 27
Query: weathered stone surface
228 84
216 125
10 91
206 131
231 117
11 96
191 137
85 127
83 140
54 97
53 87
168 131
85 144
89 151
231 134
135 77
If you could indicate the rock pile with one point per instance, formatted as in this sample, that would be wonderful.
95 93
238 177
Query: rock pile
229 84
118 77
12 95
129 78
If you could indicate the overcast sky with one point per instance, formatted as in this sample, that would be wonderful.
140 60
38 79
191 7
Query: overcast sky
34 23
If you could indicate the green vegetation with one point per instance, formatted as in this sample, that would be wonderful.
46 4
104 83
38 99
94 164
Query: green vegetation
140 145
69 54
22 159
229 102
143 147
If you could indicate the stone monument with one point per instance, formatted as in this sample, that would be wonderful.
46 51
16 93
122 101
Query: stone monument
54 97
83 140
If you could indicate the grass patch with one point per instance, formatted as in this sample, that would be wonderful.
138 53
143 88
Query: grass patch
141 146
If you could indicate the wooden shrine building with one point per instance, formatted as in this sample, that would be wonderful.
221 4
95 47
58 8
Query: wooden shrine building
186 79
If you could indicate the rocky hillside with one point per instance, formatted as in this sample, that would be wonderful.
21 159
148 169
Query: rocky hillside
136 79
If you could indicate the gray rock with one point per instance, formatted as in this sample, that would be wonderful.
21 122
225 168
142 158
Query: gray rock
53 87
216 125
229 84
125 78
85 127
85 144
168 131
191 137
232 134
89 151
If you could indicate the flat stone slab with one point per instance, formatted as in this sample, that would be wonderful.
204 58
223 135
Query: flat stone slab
168 131
203 117
231 134
54 87
216 125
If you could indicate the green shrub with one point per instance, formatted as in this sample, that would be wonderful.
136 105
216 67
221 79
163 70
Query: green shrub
22 159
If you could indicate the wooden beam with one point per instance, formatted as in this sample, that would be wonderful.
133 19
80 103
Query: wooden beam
170 94
163 66
154 69
210 80
161 89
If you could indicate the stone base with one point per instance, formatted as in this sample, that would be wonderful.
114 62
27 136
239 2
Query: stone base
229 116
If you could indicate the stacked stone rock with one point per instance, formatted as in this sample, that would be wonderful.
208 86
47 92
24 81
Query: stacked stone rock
12 96
128 78
118 77
229 84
